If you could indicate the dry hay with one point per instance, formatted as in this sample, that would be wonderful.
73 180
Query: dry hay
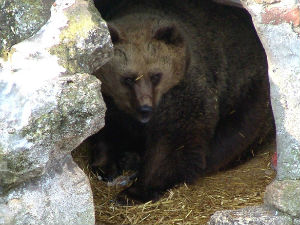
241 186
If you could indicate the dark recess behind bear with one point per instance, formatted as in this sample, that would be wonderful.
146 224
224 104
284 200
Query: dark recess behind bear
242 118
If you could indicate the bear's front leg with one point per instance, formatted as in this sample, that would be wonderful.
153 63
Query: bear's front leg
112 153
103 158
163 168
137 193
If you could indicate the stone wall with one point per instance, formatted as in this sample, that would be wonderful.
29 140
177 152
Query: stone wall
48 105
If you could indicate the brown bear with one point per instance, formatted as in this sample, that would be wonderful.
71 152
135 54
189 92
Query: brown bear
186 92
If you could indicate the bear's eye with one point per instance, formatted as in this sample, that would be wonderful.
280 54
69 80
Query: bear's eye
155 78
128 81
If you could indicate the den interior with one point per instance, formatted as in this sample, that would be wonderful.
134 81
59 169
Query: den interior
240 184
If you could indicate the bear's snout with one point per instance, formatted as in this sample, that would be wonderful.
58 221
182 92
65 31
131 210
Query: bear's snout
145 113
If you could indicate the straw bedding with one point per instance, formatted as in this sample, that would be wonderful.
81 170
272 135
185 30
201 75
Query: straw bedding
237 187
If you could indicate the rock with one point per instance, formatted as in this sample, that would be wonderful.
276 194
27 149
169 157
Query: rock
61 196
285 196
259 215
85 43
296 222
45 124
20 19
49 104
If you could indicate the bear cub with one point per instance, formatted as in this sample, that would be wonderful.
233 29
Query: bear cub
186 93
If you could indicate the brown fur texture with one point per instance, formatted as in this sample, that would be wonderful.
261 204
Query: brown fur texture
211 101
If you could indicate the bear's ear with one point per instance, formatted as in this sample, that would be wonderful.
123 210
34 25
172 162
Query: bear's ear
169 35
114 33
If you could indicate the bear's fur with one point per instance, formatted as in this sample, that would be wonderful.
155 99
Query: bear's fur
187 90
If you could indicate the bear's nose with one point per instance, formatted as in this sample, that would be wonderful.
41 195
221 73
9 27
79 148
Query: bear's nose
145 109
145 112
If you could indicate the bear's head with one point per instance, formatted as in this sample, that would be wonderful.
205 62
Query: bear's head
150 57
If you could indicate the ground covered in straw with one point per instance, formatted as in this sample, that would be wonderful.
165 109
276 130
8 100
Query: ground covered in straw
240 186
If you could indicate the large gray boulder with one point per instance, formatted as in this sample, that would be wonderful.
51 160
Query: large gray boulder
48 105
255 215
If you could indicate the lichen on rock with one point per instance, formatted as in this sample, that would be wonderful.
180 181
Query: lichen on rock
20 19
85 33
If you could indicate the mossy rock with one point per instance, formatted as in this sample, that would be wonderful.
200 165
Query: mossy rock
20 19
